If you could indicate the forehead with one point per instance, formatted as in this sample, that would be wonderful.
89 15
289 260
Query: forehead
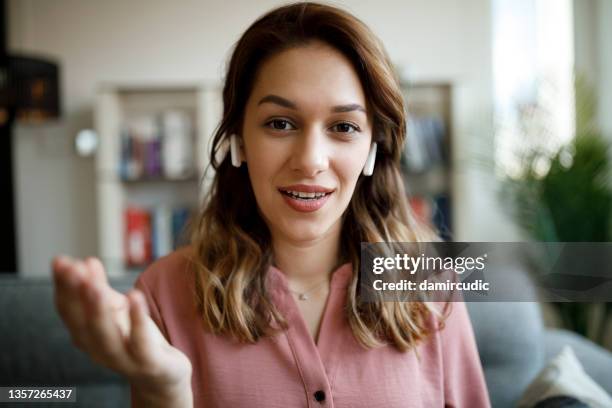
315 73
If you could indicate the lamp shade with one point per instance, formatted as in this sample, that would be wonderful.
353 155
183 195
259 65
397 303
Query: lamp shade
31 89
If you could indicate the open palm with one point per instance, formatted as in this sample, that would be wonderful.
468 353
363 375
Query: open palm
113 328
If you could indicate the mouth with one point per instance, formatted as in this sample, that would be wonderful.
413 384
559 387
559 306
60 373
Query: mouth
303 196
306 201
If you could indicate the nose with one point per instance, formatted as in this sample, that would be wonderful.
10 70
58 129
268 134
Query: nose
310 154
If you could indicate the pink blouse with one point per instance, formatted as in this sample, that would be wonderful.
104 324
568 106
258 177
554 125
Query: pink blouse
291 370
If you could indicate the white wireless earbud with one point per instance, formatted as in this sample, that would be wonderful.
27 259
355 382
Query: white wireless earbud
235 151
368 168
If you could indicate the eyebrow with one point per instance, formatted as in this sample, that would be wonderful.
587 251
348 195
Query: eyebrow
279 100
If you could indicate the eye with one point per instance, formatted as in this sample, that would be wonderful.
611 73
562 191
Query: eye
346 127
280 124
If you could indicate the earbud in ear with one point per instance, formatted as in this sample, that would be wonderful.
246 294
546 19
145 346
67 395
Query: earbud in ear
368 168
235 151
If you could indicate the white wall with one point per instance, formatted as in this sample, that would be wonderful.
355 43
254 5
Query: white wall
586 43
593 31
604 34
136 40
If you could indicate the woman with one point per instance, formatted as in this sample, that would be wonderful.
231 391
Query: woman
262 310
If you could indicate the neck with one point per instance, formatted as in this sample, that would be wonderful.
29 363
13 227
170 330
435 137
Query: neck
306 263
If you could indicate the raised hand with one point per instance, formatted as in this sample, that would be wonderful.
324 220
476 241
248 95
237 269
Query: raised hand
116 331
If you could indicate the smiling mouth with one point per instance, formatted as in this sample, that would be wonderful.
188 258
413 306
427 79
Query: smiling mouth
301 196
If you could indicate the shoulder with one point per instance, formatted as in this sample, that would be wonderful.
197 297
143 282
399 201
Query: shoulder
169 278
457 317
460 359
167 287
451 329
450 317
176 266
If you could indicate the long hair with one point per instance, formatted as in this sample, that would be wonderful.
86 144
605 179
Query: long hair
232 243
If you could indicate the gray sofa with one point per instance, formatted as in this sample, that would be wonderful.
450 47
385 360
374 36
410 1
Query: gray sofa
35 348
514 346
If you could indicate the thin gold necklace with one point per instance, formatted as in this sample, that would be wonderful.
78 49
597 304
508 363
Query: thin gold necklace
303 295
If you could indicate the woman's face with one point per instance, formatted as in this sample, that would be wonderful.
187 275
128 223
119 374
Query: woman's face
306 129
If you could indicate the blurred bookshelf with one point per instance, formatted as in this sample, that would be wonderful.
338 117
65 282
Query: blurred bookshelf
154 144
427 156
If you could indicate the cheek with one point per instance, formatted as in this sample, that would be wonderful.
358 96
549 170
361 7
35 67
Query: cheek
261 176
350 165
263 171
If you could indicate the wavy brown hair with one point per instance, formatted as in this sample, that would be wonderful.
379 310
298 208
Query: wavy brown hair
232 243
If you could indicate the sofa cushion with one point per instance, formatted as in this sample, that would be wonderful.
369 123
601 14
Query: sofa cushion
596 360
564 376
35 346
509 338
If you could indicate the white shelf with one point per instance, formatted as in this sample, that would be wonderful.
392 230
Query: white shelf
433 177
116 104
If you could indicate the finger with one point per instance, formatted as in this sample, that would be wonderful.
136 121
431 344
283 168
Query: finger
63 273
117 301
96 268
141 341
59 262
103 336
66 292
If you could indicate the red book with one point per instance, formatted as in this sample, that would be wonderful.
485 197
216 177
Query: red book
421 208
137 239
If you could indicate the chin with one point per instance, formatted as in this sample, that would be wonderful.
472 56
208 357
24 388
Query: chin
297 232
304 235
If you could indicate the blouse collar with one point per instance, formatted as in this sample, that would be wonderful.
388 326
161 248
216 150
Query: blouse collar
340 277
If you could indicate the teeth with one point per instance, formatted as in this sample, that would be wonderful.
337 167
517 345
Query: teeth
303 195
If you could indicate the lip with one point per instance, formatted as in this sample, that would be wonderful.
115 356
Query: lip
306 206
307 188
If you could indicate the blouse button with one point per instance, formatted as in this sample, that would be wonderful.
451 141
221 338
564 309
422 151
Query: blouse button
319 396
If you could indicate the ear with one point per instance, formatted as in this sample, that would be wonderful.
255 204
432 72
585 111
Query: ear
368 168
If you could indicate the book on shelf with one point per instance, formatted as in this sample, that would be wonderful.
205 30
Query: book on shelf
153 232
424 148
137 244
433 211
158 145
421 207
177 150
162 231
180 216
442 216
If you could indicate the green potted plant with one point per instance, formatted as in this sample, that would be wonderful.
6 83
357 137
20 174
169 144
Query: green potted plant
569 201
